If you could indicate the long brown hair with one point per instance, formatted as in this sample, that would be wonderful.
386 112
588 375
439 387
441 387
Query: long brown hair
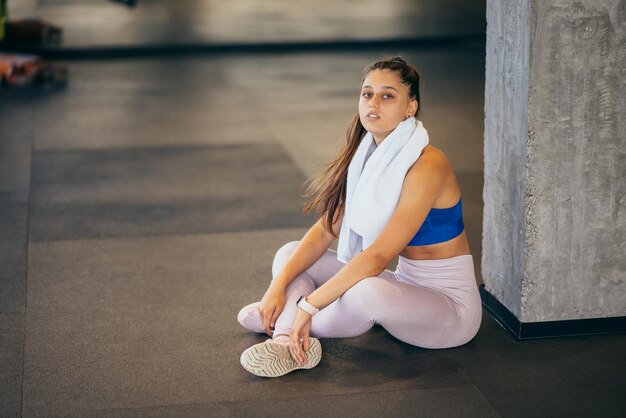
327 191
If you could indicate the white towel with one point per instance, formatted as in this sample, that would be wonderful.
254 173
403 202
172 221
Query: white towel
373 191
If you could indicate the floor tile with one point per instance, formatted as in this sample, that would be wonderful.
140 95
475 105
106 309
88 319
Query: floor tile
494 349
573 376
130 192
118 323
13 251
11 409
157 102
451 402
17 119
560 389
11 363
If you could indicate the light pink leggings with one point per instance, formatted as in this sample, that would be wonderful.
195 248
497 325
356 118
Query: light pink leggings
426 303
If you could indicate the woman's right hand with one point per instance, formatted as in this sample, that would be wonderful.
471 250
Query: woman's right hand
271 306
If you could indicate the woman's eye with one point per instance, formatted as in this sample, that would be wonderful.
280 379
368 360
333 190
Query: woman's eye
388 96
366 94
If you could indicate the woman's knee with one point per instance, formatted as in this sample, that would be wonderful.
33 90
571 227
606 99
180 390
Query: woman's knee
289 247
282 255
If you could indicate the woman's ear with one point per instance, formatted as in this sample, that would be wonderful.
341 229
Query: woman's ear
413 105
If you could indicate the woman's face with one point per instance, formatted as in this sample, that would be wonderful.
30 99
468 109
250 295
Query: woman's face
384 103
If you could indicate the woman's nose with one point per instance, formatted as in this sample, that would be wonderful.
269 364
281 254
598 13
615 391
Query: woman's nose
373 102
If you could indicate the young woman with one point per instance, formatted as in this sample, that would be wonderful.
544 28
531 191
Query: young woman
388 193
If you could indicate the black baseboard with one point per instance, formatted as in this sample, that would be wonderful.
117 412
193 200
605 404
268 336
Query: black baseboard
549 329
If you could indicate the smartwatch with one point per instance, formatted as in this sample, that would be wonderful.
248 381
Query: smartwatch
306 306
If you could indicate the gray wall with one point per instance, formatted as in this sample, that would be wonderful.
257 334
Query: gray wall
554 234
506 104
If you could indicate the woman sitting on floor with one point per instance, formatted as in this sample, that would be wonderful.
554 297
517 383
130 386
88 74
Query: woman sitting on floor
388 193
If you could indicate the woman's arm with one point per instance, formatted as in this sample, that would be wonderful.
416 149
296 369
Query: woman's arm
314 243
365 264
311 247
422 186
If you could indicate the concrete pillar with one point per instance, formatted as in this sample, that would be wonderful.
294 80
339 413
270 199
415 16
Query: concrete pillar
554 226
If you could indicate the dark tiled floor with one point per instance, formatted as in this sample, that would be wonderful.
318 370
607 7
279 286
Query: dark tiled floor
141 206
172 190
11 363
13 251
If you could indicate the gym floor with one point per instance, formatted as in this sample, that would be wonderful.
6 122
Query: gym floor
142 203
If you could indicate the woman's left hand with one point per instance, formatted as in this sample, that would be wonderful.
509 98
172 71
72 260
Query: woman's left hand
299 337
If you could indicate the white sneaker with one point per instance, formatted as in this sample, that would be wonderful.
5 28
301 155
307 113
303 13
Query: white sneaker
250 318
272 359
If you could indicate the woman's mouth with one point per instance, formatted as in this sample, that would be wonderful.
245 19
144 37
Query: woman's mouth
372 116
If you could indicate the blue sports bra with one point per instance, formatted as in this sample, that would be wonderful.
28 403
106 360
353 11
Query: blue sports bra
440 225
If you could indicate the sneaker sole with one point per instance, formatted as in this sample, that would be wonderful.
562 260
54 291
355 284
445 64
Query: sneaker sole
272 359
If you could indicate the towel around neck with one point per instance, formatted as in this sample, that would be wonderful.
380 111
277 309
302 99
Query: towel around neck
373 186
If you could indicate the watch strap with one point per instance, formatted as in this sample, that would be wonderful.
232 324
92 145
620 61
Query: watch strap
306 306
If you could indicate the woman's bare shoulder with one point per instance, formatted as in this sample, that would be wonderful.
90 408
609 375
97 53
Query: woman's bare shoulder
431 159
